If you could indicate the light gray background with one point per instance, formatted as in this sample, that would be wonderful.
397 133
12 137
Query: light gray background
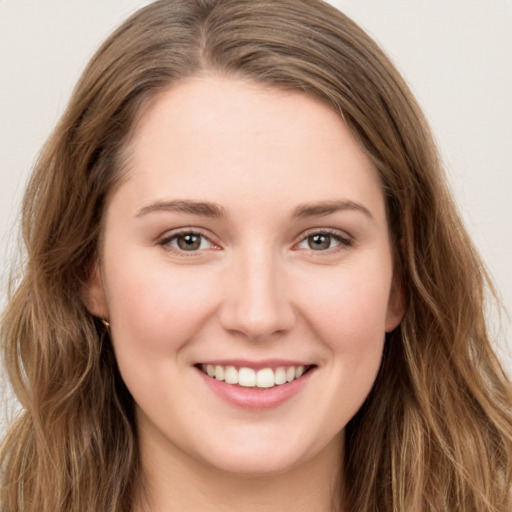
455 54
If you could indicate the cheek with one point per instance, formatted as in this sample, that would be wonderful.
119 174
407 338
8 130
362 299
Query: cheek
350 307
348 315
156 307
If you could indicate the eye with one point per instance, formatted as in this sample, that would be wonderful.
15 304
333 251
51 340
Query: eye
187 241
324 240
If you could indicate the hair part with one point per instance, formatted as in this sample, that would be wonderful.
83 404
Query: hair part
434 434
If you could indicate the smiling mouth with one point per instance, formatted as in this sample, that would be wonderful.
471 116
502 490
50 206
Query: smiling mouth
263 378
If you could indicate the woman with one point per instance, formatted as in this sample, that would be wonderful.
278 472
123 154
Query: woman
247 284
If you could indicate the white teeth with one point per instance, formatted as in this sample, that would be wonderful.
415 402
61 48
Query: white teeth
231 375
265 378
280 376
219 372
247 377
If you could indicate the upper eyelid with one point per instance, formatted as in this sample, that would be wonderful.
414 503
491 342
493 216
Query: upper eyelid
185 231
169 235
329 231
345 241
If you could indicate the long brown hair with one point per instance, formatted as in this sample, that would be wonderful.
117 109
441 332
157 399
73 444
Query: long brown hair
435 434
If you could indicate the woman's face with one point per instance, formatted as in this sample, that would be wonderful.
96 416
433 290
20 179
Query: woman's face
248 240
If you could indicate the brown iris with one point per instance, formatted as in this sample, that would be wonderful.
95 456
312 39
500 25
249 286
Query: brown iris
189 242
319 241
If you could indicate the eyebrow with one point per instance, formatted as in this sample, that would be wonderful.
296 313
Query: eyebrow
214 210
202 208
318 209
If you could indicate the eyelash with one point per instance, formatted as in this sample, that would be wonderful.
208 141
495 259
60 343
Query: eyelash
344 241
167 240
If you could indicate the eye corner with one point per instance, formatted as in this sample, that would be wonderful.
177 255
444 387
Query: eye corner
327 240
188 242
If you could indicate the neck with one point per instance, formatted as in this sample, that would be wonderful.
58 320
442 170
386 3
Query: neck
174 482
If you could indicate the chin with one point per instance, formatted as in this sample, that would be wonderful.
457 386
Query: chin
258 465
270 457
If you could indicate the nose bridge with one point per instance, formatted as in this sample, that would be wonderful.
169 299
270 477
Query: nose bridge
257 302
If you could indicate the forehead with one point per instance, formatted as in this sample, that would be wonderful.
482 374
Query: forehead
216 138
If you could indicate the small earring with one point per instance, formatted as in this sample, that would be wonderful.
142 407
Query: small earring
106 324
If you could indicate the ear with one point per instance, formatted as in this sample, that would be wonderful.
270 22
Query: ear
396 304
94 293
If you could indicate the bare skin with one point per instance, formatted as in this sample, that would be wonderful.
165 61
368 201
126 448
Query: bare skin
250 231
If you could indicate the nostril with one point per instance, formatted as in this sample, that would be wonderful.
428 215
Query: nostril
256 304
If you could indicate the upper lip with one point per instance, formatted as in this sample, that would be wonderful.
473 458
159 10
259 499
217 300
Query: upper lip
256 365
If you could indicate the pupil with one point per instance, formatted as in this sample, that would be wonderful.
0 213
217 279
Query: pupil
318 242
189 242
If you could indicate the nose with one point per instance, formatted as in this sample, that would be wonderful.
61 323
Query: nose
256 298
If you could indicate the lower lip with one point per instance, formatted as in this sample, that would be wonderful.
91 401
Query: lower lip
256 399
